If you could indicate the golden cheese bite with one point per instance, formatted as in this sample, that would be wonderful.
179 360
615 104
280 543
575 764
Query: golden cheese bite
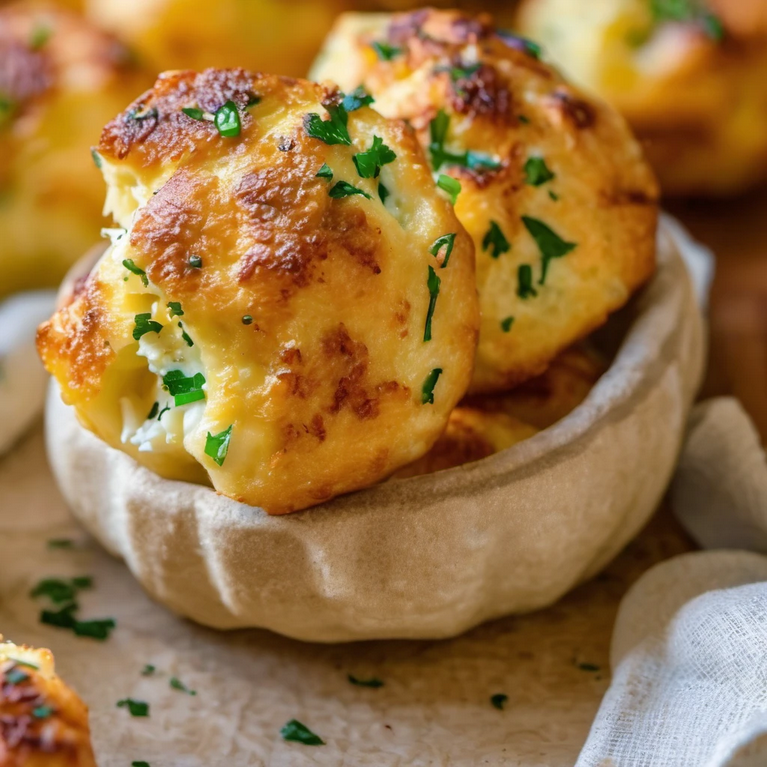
689 76
553 188
60 81
280 315
42 721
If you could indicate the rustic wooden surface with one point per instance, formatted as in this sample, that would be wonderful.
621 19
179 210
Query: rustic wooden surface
737 232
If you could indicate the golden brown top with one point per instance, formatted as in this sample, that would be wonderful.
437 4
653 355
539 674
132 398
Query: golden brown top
554 189
42 722
276 317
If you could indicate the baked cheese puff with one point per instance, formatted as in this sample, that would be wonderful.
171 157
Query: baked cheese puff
689 76
548 181
289 310
60 81
42 721
266 35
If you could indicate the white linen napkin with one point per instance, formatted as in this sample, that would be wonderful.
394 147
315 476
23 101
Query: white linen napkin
22 377
689 649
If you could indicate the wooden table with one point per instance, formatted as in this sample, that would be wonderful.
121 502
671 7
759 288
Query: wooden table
737 232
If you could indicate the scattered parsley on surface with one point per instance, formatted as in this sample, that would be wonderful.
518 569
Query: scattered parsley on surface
135 707
373 682
331 131
450 185
537 172
148 670
357 99
42 712
588 667
549 243
296 732
506 324
432 282
227 120
525 287
383 192
370 162
499 700
217 445
495 241
16 676
184 389
325 172
145 324
175 309
133 269
194 113
195 262
384 51
447 241
61 543
344 189
427 390
177 684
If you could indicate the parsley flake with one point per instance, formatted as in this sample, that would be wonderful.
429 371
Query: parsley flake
357 99
217 445
177 684
325 172
42 712
140 764
40 36
450 185
549 243
383 192
96 158
16 676
427 390
537 172
447 241
184 389
135 707
153 412
521 43
688 11
61 543
227 120
373 682
496 241
369 163
195 262
60 591
299 733
175 309
148 670
344 189
588 667
506 324
438 130
95 629
247 319
133 269
553 195
194 113
145 324
187 338
433 282
331 131
499 700
63 618
7 108
525 287
384 51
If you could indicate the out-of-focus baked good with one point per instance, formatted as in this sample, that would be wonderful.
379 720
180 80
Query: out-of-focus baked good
262 35
690 78
266 322
42 721
60 80
554 189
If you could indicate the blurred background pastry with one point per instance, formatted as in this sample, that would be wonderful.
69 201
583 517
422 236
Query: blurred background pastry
553 187
60 80
43 723
688 74
273 317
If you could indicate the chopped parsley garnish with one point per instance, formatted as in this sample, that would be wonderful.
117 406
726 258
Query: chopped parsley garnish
195 262
42 712
133 269
433 282
63 618
373 682
525 287
175 309
153 412
96 158
447 241
253 101
549 243
217 445
463 72
135 707
588 667
369 163
95 629
520 43
60 591
427 390
496 241
61 543
184 389
506 324
331 131
438 130
227 120
7 108
383 192
537 172
325 172
299 733
66 619
194 113
523 119
148 670
384 51
357 99
688 10
177 684
187 338
553 195
499 700
247 319
40 36
139 116
162 412
344 189
82 582
140 764
16 676
145 324
450 185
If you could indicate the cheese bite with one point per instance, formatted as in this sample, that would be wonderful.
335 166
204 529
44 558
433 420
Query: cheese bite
42 721
61 79
689 77
289 310
553 187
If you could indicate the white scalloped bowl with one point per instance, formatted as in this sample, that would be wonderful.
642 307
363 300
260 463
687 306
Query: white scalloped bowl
430 556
